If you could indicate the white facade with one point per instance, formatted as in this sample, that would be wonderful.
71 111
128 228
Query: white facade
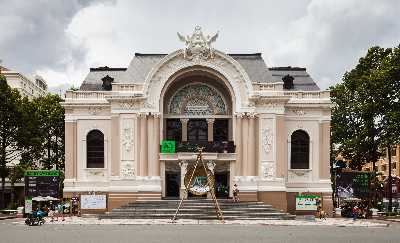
261 115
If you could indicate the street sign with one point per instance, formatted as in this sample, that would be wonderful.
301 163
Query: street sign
168 146
42 183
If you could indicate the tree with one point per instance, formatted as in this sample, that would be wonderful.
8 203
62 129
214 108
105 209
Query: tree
10 125
50 115
366 113
357 110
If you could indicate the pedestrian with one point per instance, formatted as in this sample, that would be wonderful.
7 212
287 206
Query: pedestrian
235 193
60 210
355 212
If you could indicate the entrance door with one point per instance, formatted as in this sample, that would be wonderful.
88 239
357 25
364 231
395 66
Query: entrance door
221 185
172 183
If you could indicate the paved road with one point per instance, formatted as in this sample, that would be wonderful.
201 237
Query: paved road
17 233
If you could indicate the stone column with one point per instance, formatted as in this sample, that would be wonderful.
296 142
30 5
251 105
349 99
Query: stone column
238 143
245 143
182 192
157 144
70 150
252 146
231 176
150 146
143 145
211 167
184 122
324 146
115 143
162 175
210 129
230 130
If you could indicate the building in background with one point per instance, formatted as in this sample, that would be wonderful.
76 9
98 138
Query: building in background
265 129
30 87
382 165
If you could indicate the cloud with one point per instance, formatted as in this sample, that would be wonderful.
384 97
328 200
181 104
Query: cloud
33 35
60 40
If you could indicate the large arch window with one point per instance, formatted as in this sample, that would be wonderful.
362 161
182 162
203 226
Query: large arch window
300 150
95 149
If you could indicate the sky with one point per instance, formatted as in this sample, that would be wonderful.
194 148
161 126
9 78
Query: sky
60 40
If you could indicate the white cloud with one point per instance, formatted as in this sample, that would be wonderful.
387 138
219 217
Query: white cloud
327 36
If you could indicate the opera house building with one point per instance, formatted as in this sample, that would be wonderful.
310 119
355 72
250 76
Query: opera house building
134 133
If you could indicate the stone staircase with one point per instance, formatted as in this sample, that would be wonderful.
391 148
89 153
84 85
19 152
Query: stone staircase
199 209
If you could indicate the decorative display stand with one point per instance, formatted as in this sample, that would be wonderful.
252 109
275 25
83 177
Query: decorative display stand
209 184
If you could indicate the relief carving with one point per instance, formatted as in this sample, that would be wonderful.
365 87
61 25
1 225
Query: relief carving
267 140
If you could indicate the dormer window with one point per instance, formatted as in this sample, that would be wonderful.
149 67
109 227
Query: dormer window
288 82
107 80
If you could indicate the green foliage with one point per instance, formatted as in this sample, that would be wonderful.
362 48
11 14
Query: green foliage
365 116
31 132
50 115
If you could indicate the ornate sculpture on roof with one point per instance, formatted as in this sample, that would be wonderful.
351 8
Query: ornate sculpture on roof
198 45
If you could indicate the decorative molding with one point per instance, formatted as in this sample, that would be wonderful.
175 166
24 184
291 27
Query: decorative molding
268 170
299 175
299 112
211 166
267 140
127 136
127 169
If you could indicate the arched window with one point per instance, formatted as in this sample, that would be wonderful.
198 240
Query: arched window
95 149
300 150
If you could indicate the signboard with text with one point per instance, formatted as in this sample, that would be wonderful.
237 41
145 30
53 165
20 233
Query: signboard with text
307 203
353 184
93 201
42 183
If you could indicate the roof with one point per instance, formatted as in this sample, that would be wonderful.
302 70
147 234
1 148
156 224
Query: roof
252 63
93 80
302 80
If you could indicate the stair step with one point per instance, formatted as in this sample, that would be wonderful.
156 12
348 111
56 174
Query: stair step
201 209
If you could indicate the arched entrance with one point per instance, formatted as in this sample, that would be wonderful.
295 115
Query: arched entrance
197 112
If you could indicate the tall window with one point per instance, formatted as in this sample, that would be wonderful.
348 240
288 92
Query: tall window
197 130
221 130
95 149
174 129
300 150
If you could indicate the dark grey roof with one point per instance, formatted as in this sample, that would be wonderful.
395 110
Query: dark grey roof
93 80
302 80
141 65
253 64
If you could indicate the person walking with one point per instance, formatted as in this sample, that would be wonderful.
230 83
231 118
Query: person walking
235 193
60 210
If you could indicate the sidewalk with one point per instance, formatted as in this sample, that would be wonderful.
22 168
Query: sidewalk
7 216
328 222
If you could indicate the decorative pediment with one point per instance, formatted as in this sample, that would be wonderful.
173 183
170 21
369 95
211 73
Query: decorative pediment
197 45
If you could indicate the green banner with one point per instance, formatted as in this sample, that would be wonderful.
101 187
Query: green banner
42 173
168 146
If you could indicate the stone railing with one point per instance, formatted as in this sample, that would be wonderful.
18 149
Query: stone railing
308 94
86 95
127 87
268 86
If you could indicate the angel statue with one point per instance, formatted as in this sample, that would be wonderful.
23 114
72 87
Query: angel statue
197 44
